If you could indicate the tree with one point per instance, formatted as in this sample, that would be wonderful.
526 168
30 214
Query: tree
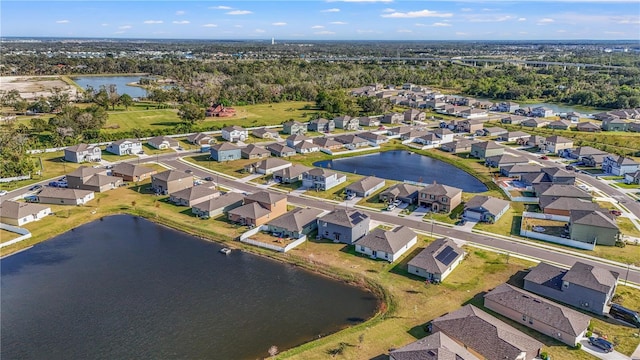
191 113
58 99
126 101
114 98
101 98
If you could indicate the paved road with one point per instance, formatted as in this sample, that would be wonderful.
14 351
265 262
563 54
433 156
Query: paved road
600 354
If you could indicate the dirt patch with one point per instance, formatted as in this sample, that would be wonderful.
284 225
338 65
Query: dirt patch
33 87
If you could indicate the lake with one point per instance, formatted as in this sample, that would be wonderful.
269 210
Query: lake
404 165
120 82
124 287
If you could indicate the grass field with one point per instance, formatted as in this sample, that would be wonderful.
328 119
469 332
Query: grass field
52 167
7 235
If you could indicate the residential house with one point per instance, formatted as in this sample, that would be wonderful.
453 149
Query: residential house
321 125
344 225
445 135
584 286
552 175
559 125
484 149
439 197
429 140
267 166
162 142
634 126
265 133
392 118
513 119
535 312
396 131
505 160
225 152
437 260
557 144
573 116
458 146
562 205
485 336
351 141
305 147
588 127
290 174
259 208
327 143
252 151
125 147
412 115
234 133
373 138
293 127
20 213
593 227
541 112
619 166
347 123
533 140
433 347
485 209
518 170
64 196
632 178
218 110
582 151
365 186
201 139
218 205
81 153
295 223
557 190
535 122
414 134
94 179
193 195
321 179
280 150
388 245
514 136
369 121
474 113
295 139
470 126
132 172
170 181
614 124
404 192
594 160
494 131
507 107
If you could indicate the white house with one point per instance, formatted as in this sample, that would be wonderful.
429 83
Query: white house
125 147
20 213
163 142
445 135
388 245
235 133
619 166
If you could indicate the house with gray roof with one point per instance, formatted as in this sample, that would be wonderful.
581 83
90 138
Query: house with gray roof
557 144
619 165
321 179
290 174
494 131
82 153
373 138
557 190
19 213
132 172
163 142
193 195
504 160
295 139
365 186
292 127
64 196
265 133
439 197
437 260
352 141
388 245
234 133
392 118
252 151
170 181
201 139
614 124
344 225
632 178
295 223
305 147
369 121
225 152
458 146
588 127
513 119
217 205
545 316
485 208
321 125
582 151
404 192
593 227
280 150
267 166
125 147
584 286
94 179
514 136
437 346
594 160
487 336
518 170
327 143
484 149
549 175
347 123
559 125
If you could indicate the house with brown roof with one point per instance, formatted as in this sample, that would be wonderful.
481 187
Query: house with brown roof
557 144
265 133
64 196
218 205
267 166
373 138
593 227
505 160
439 197
584 286
483 149
365 186
163 142
369 121
306 147
132 172
19 213
437 260
321 125
392 118
344 225
351 141
94 179
560 205
588 127
535 312
200 139
259 208
404 192
193 195
290 174
485 208
327 143
414 115
252 151
170 181
387 245
295 223
437 346
486 336
470 125
295 139
82 152
280 150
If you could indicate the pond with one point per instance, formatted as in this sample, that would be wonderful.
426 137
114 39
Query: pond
120 82
124 287
405 165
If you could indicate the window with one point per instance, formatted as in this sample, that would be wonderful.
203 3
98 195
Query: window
530 321
524 317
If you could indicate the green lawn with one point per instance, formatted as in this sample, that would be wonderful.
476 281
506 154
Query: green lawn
627 227
335 193
107 156
233 168
52 166
508 224
373 201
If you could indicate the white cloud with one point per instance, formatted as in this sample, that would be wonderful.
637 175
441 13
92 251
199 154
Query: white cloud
62 22
522 19
388 10
331 10
237 26
221 7
239 12
416 14
279 24
561 31
420 25
180 12
466 9
338 23
404 31
152 22
210 25
440 24
259 31
181 22
485 18
324 32
317 27
104 24
545 21
125 27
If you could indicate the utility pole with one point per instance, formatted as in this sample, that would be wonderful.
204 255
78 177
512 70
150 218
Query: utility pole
431 223
627 276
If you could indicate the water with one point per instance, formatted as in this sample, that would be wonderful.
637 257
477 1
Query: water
124 287
404 165
120 82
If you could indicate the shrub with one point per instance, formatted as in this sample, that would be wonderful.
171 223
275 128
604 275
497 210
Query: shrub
589 333
544 355
578 346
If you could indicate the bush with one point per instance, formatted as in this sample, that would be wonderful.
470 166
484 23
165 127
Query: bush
544 355
578 346
589 333
590 327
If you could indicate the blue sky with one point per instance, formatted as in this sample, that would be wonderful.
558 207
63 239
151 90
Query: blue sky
328 19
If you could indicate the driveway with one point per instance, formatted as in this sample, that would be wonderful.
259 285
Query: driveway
600 354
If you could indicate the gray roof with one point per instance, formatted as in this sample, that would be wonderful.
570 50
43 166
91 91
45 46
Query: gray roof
84 171
298 137
495 130
266 197
252 149
131 169
297 219
487 145
251 211
440 189
80 148
559 140
523 168
402 190
219 202
306 145
567 203
389 241
346 218
592 218
160 139
194 192
100 180
587 150
547 275
436 346
280 148
326 142
365 184
16 210
122 141
231 128
292 171
171 175
493 205
547 189
591 277
507 159
372 136
516 134
548 312
587 125
262 131
269 163
197 137
486 335
63 193
426 259
225 146
321 172
350 139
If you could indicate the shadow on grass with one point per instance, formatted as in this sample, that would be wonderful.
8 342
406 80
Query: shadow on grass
144 189
517 279
401 268
166 124
380 357
515 225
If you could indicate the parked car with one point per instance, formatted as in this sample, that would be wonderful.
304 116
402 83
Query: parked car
35 187
3 192
350 196
391 207
188 171
601 343
569 167
544 157
627 315
616 212
208 178
397 202
461 222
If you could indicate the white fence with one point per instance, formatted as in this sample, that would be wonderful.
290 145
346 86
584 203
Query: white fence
557 240
15 178
18 230
245 239
534 215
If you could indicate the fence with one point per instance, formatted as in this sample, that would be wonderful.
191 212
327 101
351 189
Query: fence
534 215
15 178
18 230
557 240
245 239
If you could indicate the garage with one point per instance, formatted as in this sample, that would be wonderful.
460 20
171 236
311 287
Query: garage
472 215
